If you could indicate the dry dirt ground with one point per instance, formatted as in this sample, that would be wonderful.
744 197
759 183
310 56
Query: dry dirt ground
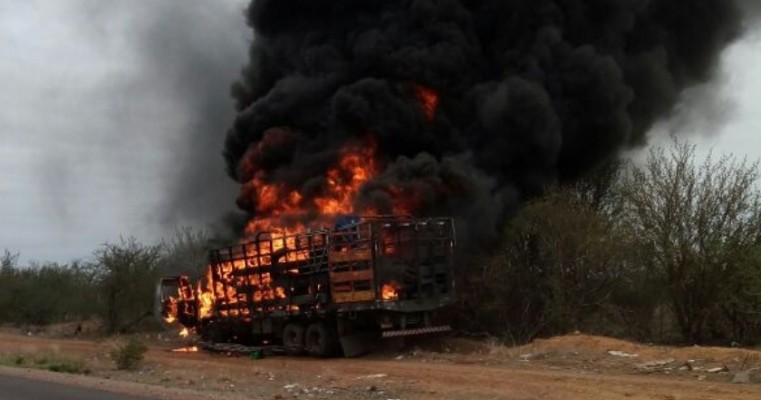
568 367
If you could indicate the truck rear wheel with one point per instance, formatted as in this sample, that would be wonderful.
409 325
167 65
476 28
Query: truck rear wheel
293 338
321 340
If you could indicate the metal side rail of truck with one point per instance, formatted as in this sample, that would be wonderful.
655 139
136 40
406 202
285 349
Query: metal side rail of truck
323 292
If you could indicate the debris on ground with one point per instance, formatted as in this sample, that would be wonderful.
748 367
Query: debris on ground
656 365
372 376
622 354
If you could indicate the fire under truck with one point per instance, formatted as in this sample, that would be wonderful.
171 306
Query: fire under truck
324 292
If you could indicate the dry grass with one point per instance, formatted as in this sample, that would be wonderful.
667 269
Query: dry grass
55 362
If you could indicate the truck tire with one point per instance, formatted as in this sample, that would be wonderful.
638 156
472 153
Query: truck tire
293 338
321 340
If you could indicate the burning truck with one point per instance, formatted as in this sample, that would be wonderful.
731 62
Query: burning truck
324 292
424 108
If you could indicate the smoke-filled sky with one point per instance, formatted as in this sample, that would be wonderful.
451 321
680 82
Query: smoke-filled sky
113 117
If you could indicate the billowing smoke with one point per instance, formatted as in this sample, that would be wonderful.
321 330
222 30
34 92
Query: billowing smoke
190 51
528 92
751 10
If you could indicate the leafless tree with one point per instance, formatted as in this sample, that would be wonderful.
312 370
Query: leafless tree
696 221
555 271
126 274
187 252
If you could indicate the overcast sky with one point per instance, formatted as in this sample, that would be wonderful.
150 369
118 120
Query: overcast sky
101 107
108 110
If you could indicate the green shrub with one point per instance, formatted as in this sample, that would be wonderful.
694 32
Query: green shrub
128 354
65 365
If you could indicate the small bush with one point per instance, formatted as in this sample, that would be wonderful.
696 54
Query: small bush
128 354
68 366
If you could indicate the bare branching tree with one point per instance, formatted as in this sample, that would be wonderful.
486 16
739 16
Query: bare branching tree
127 273
696 223
557 267
9 260
187 252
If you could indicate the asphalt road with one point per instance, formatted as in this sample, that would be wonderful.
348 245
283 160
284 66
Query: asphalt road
13 388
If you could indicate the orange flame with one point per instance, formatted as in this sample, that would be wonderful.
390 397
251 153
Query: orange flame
218 292
171 309
189 349
429 100
219 287
354 169
205 294
356 165
390 291
184 332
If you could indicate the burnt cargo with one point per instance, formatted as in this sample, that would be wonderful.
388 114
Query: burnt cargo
322 292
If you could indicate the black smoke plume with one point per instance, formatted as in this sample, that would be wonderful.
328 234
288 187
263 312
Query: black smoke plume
531 92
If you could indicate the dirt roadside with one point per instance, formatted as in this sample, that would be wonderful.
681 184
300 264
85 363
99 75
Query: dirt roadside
569 367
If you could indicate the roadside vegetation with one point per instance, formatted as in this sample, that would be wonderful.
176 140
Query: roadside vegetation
665 251
129 353
668 251
56 363
116 288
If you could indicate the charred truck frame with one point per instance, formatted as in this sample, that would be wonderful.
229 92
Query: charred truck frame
323 291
